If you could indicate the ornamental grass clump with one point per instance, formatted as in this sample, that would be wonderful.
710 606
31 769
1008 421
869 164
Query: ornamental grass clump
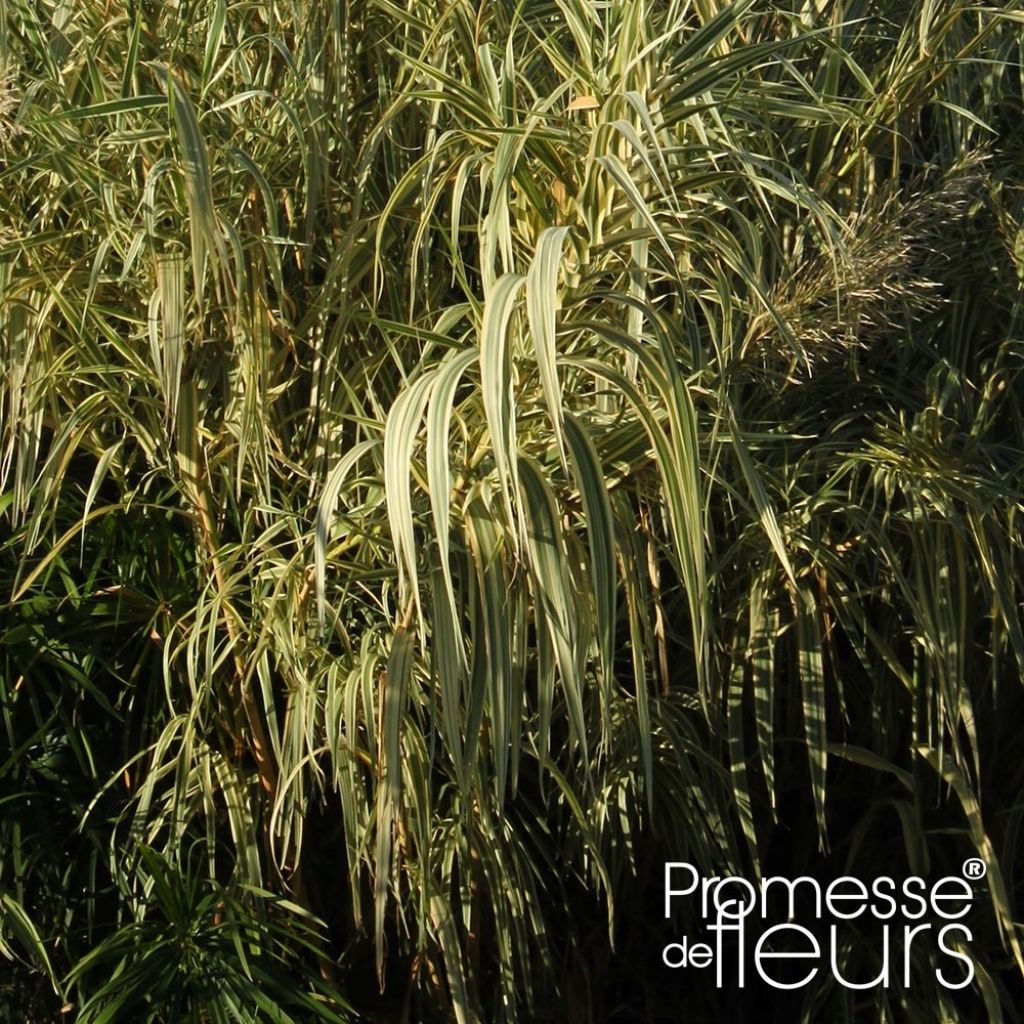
456 459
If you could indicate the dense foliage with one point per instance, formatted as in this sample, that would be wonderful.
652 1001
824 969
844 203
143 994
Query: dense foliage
455 457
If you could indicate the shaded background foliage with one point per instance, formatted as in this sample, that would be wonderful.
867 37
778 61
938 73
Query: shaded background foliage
455 458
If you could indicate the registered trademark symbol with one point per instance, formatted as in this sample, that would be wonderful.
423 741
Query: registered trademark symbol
974 868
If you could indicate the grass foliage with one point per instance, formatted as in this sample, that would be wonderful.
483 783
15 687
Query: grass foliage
455 457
